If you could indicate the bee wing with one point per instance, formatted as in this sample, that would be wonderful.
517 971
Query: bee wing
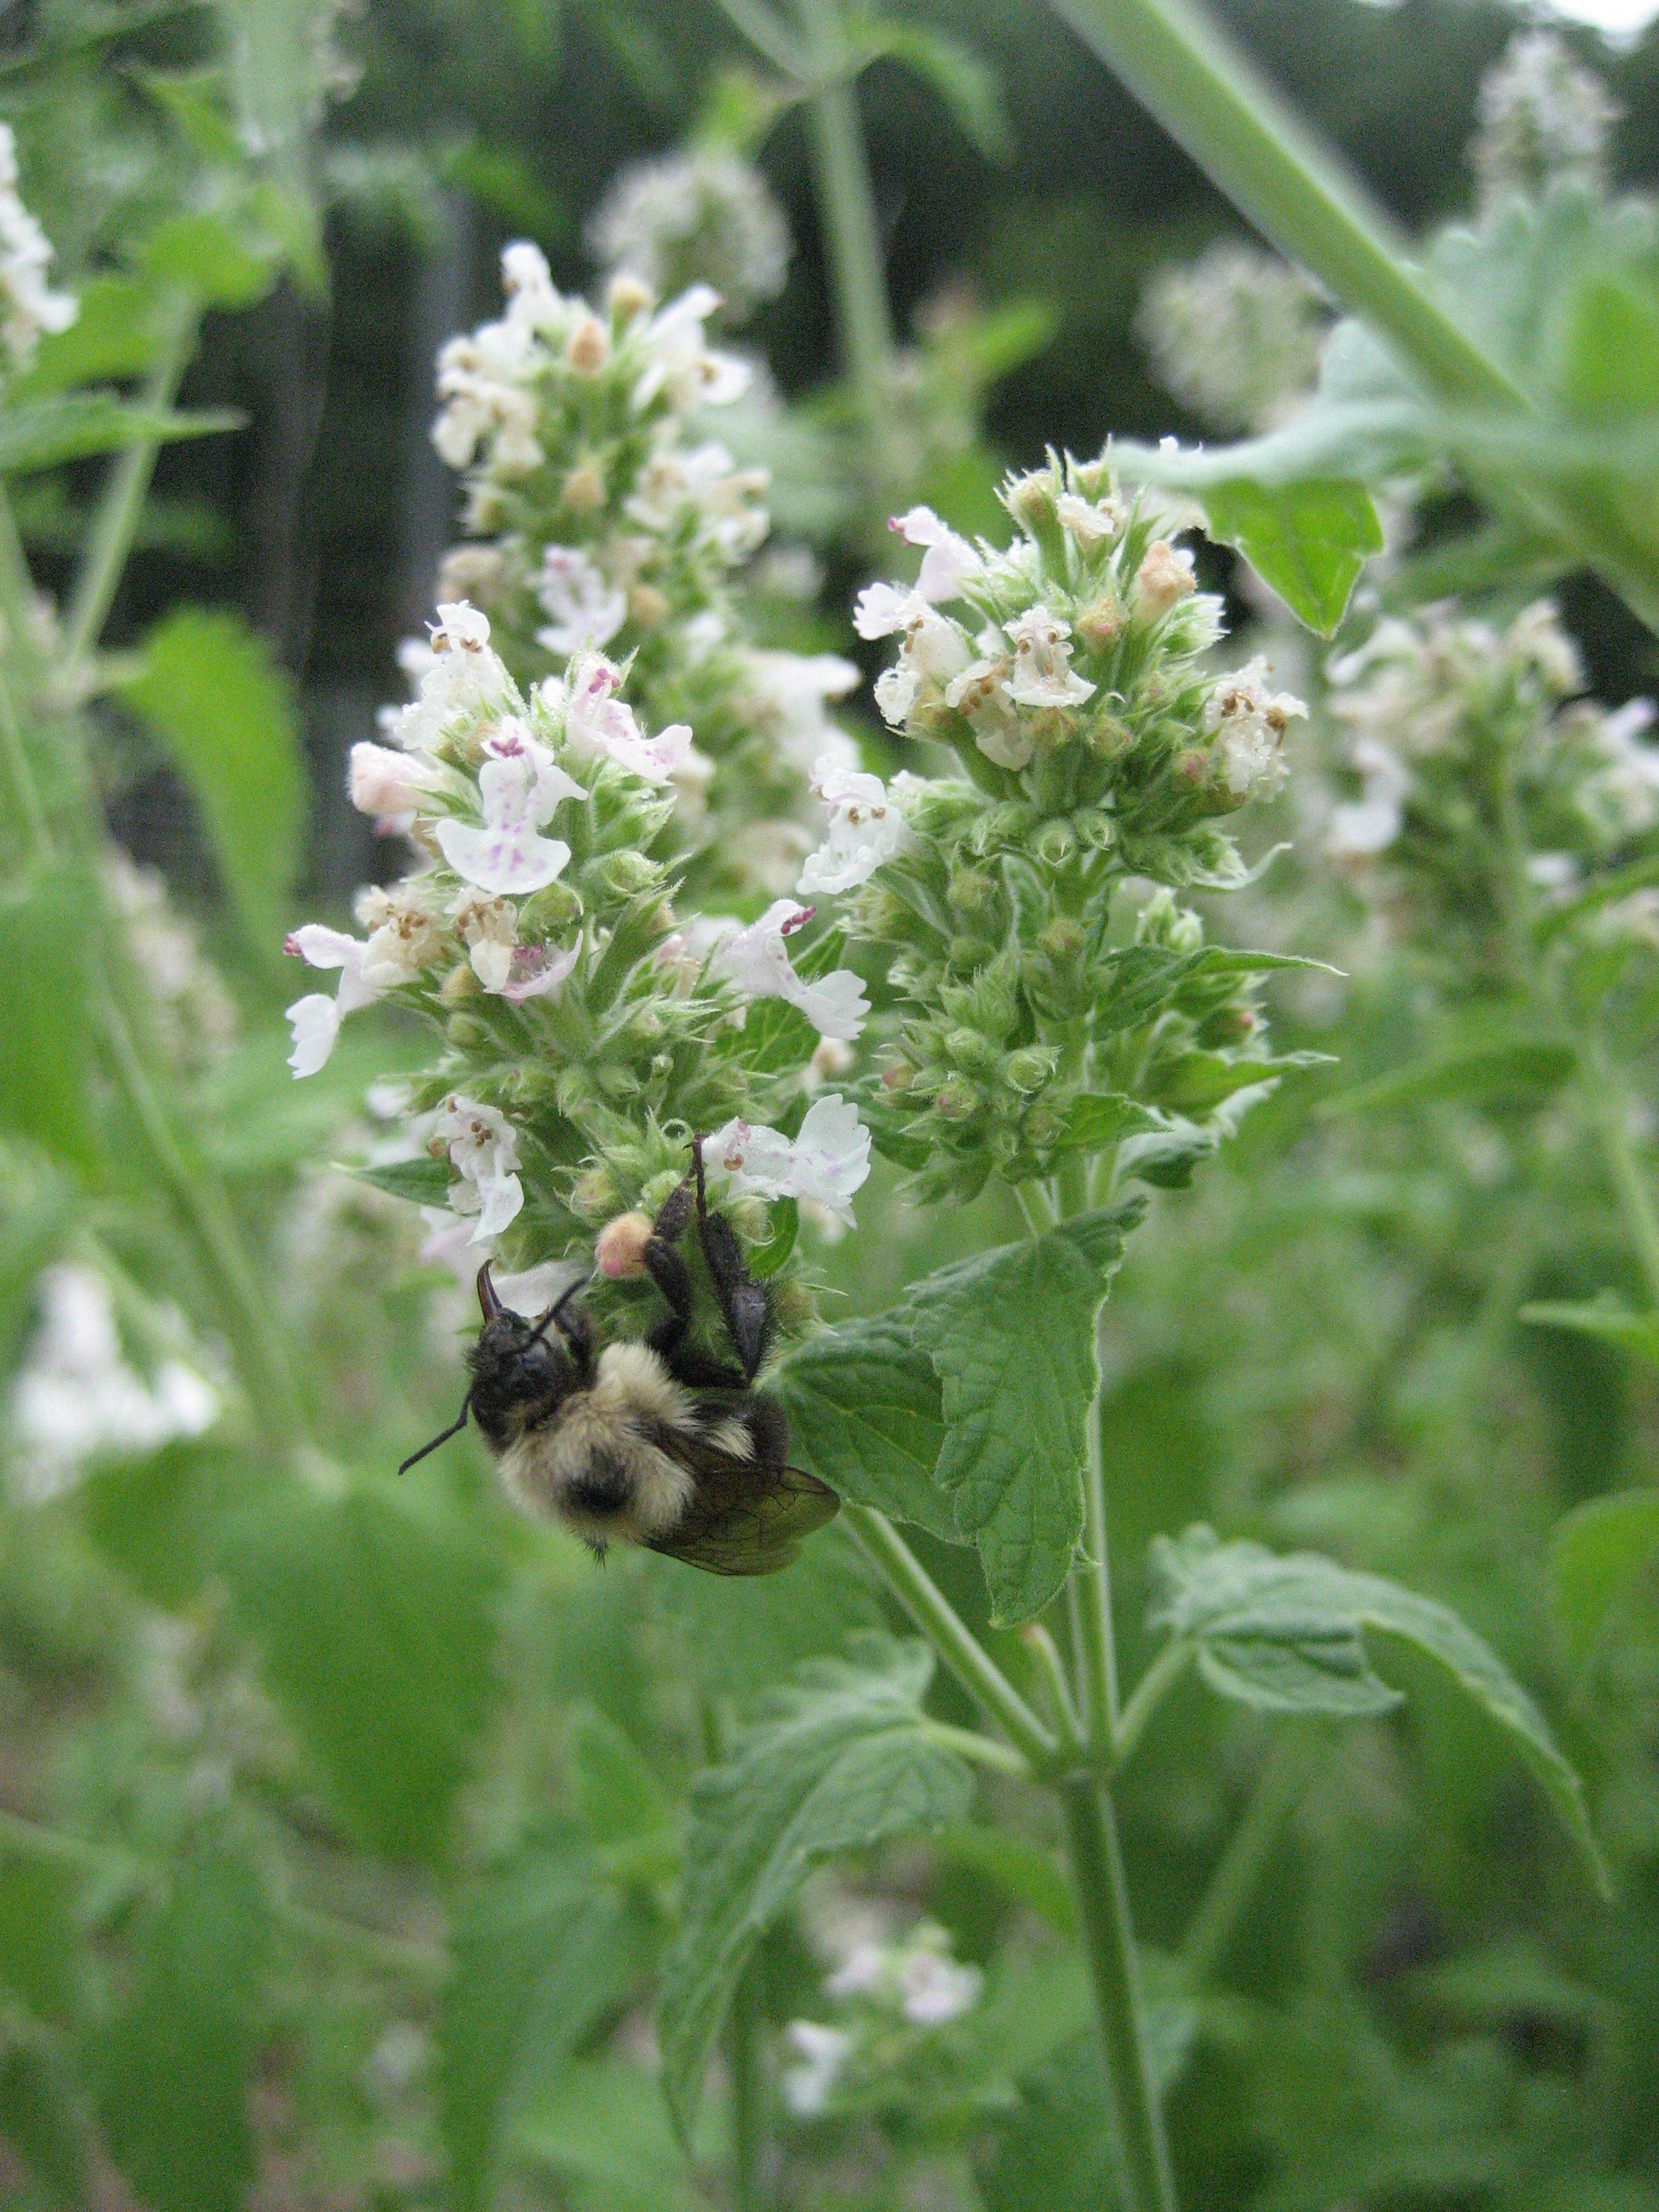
743 1519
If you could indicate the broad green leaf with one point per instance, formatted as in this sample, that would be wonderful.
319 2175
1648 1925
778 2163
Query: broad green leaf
618 1796
225 712
69 426
421 1182
178 2058
40 2119
604 2131
1599 1554
1023 1870
221 263
1520 1068
115 334
740 1636
1094 1121
1012 1337
1197 1083
838 1759
865 1416
156 1519
541 1952
1637 1334
374 1616
39 1891
1610 358
45 1038
1307 541
1289 1634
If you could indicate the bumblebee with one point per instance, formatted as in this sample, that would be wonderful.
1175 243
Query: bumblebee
655 1442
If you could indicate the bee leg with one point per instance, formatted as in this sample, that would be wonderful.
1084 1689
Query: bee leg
769 1426
746 1303
669 1271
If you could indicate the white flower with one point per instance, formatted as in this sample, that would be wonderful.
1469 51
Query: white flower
586 611
792 689
1629 779
1090 523
1542 117
459 675
950 562
933 1989
520 787
981 695
881 608
483 1150
828 1161
703 213
598 723
866 829
1247 722
935 651
704 481
537 970
1361 828
316 1019
757 960
684 367
1042 674
393 786
404 935
28 306
808 2088
1537 635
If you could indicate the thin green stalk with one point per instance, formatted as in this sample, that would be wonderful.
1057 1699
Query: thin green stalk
1041 1645
1090 1597
979 1750
848 201
950 1635
1102 1900
744 2060
1610 1113
1147 1695
1250 1849
110 539
37 831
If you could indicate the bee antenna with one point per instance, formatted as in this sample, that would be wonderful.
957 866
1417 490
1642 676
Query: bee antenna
551 1318
489 1297
442 1436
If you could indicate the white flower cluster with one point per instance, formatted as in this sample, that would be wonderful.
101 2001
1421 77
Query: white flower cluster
914 1982
705 216
1425 704
195 1014
1236 335
1542 117
28 306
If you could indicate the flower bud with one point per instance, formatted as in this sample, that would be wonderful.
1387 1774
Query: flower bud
972 891
473 573
648 609
619 1249
627 297
1031 497
460 984
381 782
1163 578
594 1194
1029 1068
956 1099
588 347
573 1091
584 489
1063 939
625 875
1056 842
1101 622
466 1033
967 1049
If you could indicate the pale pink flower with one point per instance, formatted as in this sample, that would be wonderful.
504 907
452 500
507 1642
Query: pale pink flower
757 960
829 1160
483 1147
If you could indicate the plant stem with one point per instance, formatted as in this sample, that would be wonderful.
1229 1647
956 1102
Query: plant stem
1609 1111
950 1635
744 2059
1091 1598
1148 1695
1238 1872
848 201
110 539
1102 1901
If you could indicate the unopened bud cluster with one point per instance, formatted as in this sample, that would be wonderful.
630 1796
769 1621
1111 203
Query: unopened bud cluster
1477 771
1069 673
606 519
700 217
1544 119
1235 335
585 1034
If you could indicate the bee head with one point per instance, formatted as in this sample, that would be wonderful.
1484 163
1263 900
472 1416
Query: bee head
519 1367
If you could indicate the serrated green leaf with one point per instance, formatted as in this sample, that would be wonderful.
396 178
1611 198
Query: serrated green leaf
1012 1337
177 2059
1307 541
541 1951
213 695
1599 1554
1605 1318
865 1416
838 1759
1098 1119
45 1039
70 426
374 1616
1288 1633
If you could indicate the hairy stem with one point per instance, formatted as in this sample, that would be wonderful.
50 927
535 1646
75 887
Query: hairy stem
950 1635
1102 1898
1250 1849
1090 1597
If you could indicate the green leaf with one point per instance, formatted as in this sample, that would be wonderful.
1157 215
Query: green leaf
225 712
604 2131
1308 541
40 2120
966 84
865 1416
1609 368
37 1214
45 1039
1289 1634
1599 1554
219 262
1021 1869
1097 1120
373 1616
838 1759
116 334
617 1795
421 1182
739 1635
1196 1082
69 426
1520 1068
1603 1317
541 1952
177 2059
40 1950
155 1519
1012 1337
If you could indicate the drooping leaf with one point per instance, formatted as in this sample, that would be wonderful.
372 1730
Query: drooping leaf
1599 1554
1605 1318
865 1416
1291 1634
45 1038
177 2059
70 426
1012 1336
838 1759
962 80
541 1951
374 1616
1308 541
210 690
